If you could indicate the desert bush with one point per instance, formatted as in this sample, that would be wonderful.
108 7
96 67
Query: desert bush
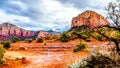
81 46
99 37
2 51
39 40
103 30
85 35
29 40
6 45
74 35
65 37
97 61
15 39
55 37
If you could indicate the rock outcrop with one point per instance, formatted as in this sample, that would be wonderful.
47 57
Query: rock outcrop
89 18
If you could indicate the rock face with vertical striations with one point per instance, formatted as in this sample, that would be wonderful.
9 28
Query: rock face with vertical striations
89 18
8 31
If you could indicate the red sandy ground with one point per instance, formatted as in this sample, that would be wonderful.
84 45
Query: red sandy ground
51 55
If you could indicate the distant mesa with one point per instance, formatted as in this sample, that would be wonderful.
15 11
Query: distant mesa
89 18
7 31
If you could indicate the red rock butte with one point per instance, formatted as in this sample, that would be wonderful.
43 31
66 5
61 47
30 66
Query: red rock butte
89 18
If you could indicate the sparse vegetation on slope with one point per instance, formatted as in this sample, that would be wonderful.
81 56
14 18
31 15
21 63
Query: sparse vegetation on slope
85 34
111 34
82 32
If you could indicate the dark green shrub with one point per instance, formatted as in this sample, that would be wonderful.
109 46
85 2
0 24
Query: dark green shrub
2 51
83 35
99 37
15 39
65 37
6 45
39 40
76 50
80 47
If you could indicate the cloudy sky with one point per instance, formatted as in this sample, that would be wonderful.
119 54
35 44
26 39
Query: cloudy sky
46 14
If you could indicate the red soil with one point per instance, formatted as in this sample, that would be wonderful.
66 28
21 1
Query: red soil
51 55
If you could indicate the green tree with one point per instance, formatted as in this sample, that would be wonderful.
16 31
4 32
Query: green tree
65 37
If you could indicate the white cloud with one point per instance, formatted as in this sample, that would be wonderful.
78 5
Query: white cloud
56 13
98 3
51 14
11 18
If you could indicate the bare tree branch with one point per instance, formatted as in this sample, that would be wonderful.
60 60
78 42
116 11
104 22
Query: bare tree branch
113 12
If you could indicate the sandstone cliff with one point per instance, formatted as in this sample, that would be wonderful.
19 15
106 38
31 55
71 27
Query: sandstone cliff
9 30
89 18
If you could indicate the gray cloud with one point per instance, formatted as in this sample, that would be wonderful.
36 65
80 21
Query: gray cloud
81 4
